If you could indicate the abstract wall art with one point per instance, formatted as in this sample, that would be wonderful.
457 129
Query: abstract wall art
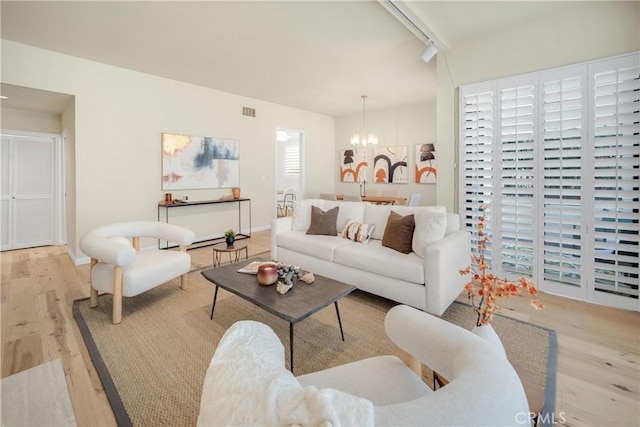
390 165
426 171
197 162
353 165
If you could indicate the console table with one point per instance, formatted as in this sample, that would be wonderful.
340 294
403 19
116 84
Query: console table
167 206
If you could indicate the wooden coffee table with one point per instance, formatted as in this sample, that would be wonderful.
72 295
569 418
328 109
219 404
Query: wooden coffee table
299 303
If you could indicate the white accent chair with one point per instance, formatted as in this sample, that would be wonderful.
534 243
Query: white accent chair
118 266
484 389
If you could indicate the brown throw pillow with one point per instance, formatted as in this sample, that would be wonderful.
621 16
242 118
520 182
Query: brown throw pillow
398 233
323 222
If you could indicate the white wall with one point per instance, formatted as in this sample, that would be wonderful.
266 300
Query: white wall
119 116
587 31
407 125
30 121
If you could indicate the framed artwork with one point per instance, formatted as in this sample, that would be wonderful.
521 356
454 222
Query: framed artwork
353 165
390 165
426 172
197 162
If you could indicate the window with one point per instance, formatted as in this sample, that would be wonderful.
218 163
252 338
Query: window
292 160
556 156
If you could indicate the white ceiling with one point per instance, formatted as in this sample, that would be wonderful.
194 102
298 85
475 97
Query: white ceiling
314 55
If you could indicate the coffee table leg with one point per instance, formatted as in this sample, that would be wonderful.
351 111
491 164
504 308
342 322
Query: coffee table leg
339 321
291 346
213 306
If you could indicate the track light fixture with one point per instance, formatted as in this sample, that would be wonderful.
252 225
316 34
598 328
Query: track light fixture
429 52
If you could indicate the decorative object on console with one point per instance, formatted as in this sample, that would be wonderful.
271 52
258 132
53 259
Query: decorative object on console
267 274
235 191
230 236
353 165
194 162
364 138
426 172
390 165
488 287
323 223
398 233
167 197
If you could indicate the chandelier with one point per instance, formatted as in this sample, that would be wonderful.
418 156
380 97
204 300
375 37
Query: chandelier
363 138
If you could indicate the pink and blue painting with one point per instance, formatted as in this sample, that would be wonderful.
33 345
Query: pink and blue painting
199 162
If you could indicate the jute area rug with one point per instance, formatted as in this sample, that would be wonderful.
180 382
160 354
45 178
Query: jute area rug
152 365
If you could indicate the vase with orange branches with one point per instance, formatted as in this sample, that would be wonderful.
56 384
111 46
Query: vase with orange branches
485 288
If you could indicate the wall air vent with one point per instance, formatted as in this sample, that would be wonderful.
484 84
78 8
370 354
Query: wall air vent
249 112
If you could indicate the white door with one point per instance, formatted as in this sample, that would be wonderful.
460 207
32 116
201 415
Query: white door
27 190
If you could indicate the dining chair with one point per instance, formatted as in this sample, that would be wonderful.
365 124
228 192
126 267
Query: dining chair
414 200
351 198
328 196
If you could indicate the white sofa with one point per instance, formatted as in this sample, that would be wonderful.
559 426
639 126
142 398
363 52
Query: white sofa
429 281
247 382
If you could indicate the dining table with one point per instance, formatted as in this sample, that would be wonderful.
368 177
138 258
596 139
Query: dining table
380 200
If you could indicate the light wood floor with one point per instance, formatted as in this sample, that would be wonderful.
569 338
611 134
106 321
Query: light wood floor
599 347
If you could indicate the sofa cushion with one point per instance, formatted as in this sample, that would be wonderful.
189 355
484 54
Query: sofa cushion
398 233
318 246
381 260
353 211
357 232
323 222
302 213
431 225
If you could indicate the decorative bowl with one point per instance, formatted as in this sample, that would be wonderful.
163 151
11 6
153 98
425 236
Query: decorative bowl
267 274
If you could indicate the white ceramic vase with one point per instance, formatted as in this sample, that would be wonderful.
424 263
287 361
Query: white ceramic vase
487 333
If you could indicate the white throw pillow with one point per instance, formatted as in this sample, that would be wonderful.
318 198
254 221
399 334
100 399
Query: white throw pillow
431 226
302 213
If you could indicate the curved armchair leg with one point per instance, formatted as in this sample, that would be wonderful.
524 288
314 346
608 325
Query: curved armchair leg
93 301
117 295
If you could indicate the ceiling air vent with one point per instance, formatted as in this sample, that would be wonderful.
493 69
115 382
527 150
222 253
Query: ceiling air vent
249 112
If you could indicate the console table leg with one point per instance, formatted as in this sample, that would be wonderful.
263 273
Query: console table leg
339 321
213 306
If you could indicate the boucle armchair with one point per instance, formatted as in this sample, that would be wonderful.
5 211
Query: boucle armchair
248 384
119 267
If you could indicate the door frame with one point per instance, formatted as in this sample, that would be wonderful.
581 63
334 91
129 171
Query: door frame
301 178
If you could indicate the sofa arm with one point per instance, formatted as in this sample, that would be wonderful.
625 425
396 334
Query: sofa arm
442 263
279 225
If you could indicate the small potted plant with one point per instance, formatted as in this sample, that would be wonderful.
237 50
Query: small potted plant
230 237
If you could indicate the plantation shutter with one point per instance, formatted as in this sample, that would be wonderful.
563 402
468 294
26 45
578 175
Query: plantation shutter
615 140
556 157
292 160
477 123
563 97
516 203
